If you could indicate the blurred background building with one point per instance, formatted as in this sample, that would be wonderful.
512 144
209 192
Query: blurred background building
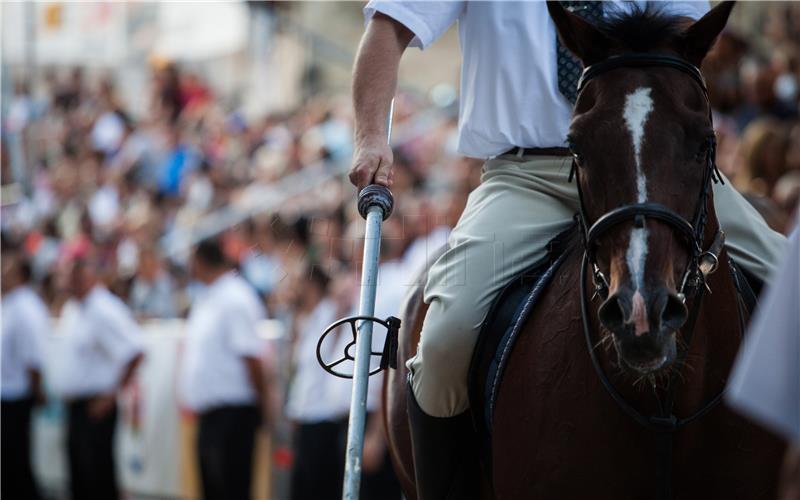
131 130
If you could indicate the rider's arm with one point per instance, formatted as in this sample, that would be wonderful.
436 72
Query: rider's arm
374 84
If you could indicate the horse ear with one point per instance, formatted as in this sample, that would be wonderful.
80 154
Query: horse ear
579 36
700 36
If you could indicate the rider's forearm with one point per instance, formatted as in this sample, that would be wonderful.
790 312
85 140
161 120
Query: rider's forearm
375 74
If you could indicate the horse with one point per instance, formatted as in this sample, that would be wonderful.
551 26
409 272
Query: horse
598 398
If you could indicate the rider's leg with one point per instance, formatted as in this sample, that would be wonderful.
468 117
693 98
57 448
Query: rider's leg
749 240
519 206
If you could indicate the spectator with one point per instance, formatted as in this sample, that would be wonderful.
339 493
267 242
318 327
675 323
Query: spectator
764 148
25 325
260 264
152 292
221 375
102 352
317 402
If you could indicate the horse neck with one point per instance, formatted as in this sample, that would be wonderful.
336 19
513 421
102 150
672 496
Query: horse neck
716 334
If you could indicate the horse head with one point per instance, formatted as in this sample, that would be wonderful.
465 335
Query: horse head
642 136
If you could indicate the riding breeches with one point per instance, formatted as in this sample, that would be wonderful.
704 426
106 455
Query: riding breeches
519 206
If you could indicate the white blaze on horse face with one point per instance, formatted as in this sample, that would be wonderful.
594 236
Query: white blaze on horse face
638 106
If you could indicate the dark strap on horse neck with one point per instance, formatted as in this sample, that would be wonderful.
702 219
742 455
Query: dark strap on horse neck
641 60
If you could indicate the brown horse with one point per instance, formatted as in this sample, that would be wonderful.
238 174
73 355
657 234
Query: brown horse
639 417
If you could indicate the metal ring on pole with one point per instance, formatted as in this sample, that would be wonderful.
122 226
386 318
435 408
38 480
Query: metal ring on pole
391 324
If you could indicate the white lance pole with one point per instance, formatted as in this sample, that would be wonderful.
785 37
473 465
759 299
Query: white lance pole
375 205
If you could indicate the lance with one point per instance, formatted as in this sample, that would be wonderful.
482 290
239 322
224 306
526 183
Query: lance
375 204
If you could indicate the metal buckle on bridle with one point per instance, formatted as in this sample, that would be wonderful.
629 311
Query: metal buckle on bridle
601 285
388 354
709 262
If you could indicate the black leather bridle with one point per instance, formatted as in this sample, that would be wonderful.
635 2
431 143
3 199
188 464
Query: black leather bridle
692 232
701 263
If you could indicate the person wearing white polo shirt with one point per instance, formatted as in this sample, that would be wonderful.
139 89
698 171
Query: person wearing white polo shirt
518 86
221 376
25 324
317 403
102 349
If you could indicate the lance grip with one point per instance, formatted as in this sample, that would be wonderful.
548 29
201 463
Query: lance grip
375 195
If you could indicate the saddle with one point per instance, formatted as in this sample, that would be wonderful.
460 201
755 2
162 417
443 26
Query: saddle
503 324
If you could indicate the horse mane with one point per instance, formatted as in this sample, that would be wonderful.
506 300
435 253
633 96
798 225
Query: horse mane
642 29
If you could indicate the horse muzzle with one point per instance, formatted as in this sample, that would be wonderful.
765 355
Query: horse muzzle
643 325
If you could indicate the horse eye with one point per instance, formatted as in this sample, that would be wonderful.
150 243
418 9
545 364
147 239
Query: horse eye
705 147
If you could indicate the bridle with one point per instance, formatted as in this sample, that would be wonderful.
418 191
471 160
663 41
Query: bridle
701 263
693 232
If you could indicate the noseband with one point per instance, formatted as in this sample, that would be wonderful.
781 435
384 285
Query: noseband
701 263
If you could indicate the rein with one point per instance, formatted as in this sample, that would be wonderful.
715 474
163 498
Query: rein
701 263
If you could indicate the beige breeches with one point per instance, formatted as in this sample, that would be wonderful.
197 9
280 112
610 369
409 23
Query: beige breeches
520 205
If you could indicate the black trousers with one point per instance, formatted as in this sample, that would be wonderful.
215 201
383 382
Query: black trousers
15 451
90 449
318 469
225 439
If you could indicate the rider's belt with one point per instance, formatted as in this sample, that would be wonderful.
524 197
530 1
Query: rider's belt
520 152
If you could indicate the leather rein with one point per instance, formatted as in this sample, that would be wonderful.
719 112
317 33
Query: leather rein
701 263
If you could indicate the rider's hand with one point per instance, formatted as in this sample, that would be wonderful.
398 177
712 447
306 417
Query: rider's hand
372 163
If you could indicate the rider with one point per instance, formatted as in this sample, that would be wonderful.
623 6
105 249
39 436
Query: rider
517 90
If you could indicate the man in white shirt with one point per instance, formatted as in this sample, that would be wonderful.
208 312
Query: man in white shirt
102 349
221 376
318 402
515 109
26 323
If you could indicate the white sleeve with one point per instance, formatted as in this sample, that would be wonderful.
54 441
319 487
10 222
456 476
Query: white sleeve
242 325
428 20
119 335
36 336
765 381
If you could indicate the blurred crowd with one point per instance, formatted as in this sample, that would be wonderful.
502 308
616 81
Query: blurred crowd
128 189
754 85
124 195
125 191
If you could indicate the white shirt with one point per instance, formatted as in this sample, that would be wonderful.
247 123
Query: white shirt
26 323
765 383
222 330
100 337
314 394
106 134
509 83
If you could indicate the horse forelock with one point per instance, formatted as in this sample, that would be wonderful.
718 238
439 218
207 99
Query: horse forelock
642 29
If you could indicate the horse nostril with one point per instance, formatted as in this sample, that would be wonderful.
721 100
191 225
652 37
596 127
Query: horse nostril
674 314
612 313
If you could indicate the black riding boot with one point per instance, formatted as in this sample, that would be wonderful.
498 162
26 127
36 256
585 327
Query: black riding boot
445 464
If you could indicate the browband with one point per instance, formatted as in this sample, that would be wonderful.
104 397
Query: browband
645 210
641 60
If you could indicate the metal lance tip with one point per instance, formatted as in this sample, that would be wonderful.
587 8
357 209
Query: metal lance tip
375 195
